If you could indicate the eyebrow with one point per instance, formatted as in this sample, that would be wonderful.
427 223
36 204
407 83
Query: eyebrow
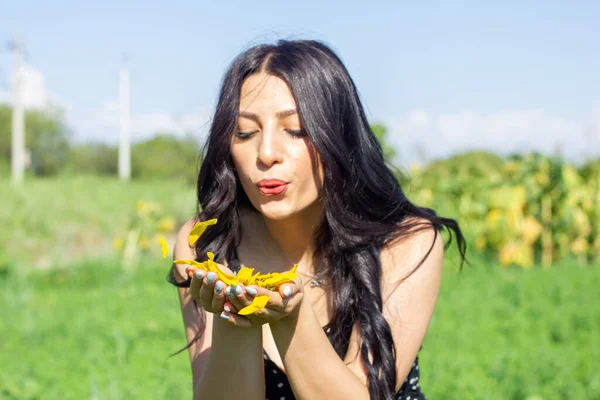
279 114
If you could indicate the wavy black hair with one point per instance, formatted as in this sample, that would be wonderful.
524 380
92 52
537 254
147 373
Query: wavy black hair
364 207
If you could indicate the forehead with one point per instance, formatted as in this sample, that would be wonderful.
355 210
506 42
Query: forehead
264 93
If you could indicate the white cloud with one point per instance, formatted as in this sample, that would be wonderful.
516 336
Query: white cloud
34 91
103 123
420 135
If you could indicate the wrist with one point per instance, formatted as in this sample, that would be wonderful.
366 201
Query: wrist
290 321
225 327
232 340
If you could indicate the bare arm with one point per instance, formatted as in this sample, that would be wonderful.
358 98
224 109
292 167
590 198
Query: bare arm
314 368
227 363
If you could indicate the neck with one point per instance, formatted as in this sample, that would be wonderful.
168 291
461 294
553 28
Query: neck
294 236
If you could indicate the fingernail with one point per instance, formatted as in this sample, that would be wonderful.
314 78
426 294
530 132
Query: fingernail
238 289
219 287
251 291
199 274
229 292
227 308
211 278
225 317
287 291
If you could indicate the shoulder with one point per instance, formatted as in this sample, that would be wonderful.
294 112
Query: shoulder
184 231
416 255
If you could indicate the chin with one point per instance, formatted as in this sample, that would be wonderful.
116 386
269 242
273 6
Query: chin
275 210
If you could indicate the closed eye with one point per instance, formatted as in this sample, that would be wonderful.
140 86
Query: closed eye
244 135
296 133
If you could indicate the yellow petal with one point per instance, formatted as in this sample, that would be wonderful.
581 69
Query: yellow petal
164 248
252 279
199 229
223 276
258 303
264 277
281 279
191 262
244 275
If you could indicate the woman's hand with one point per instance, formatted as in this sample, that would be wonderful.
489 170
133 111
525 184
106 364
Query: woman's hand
207 290
281 303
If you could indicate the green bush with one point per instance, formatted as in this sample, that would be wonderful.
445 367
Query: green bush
165 156
46 138
93 158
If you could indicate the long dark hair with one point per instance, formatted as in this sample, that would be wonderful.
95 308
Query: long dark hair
364 206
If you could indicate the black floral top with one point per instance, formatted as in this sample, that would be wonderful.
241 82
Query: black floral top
279 388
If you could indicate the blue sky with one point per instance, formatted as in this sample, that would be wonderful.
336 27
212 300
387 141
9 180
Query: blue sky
443 76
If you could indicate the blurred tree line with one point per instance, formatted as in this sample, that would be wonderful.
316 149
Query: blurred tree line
51 151
522 209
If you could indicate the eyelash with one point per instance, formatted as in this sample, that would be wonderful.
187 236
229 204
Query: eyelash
293 133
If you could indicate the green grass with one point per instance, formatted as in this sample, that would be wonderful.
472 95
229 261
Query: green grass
76 329
91 331
94 331
515 334
49 222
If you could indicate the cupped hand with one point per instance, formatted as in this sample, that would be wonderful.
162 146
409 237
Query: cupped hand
207 290
281 303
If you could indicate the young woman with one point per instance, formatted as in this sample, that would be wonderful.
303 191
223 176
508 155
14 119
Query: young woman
294 175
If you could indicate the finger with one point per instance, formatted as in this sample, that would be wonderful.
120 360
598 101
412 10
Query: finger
229 307
275 300
242 294
207 289
218 299
224 269
287 290
197 277
236 320
233 296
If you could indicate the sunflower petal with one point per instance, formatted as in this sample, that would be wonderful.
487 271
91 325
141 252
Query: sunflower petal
163 247
252 279
191 262
258 303
199 229
280 279
212 266
244 275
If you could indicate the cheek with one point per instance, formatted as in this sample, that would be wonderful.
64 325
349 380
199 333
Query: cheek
310 167
239 158
242 162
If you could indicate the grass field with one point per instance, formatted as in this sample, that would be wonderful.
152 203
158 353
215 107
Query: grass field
95 332
49 222
75 325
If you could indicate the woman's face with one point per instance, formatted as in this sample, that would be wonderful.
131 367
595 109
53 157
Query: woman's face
278 167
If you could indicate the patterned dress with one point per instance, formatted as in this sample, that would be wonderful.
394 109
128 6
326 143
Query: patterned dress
279 388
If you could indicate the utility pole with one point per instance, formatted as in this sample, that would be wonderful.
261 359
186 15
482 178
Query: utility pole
124 134
18 117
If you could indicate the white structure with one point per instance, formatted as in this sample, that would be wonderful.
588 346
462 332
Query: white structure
18 118
124 135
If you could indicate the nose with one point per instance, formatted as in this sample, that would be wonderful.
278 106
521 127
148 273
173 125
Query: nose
270 151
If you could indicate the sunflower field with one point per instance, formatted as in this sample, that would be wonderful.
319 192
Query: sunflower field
521 210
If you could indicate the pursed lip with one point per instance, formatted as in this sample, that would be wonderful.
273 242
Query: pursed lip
272 187
270 183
